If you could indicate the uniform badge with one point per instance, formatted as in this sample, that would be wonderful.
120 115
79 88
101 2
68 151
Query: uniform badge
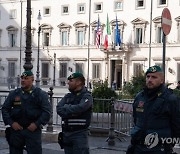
17 101
141 104
140 107
153 69
17 98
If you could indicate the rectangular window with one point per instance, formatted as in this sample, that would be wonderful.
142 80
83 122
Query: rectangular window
0 37
46 39
11 69
81 8
98 7
80 37
159 35
12 40
45 70
64 38
178 33
178 72
138 69
139 3
65 10
139 35
94 37
47 11
63 70
96 70
162 2
79 67
118 5
12 14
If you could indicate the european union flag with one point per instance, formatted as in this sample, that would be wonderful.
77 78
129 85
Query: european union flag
118 39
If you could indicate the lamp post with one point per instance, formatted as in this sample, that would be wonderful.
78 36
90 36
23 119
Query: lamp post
89 26
28 65
39 30
20 46
54 73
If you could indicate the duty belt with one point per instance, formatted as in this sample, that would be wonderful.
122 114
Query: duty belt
71 125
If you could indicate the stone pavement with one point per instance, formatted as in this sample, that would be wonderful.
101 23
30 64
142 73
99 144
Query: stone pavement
98 145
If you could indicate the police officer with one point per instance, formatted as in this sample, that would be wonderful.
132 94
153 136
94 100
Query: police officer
26 109
156 113
75 109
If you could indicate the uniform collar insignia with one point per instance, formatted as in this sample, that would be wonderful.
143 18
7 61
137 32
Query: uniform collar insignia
78 94
159 94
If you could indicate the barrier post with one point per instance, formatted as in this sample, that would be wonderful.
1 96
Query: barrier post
111 136
50 123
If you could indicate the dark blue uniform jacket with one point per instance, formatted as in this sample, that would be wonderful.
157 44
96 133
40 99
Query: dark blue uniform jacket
27 107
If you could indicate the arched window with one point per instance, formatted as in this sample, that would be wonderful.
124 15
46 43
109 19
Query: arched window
64 30
80 29
12 35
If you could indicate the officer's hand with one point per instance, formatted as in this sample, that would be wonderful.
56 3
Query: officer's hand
16 126
32 127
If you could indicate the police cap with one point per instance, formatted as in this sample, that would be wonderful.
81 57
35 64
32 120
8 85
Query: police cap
75 75
27 73
154 69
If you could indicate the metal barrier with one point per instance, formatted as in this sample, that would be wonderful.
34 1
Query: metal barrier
111 115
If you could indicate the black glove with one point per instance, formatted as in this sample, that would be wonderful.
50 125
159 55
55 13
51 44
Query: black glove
8 134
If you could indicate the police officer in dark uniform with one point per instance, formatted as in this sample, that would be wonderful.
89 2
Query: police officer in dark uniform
156 113
75 109
26 109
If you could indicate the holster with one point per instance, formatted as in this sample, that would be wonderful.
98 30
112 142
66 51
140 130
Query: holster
138 137
60 140
14 139
130 149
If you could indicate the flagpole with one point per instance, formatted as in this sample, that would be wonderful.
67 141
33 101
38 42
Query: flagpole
89 43
150 34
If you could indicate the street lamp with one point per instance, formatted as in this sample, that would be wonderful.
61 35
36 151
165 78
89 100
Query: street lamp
39 30
28 65
54 75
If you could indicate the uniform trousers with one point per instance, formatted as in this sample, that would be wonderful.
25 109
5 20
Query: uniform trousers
76 142
25 138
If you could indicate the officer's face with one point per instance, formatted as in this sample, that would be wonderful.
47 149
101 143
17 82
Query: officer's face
74 84
26 82
154 80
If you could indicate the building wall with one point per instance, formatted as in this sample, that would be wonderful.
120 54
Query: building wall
131 53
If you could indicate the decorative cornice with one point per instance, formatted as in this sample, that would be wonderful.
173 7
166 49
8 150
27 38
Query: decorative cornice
45 59
96 59
160 58
138 59
12 59
176 58
64 59
80 59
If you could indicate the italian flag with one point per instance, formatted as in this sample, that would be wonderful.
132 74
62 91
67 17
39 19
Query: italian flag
108 32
